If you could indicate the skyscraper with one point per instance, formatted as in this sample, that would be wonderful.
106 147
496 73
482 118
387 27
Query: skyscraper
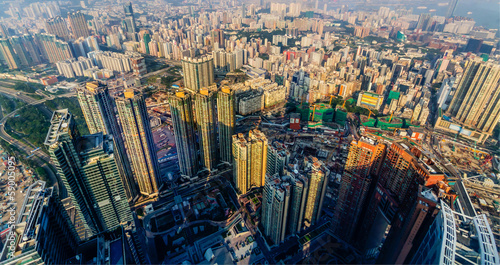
139 142
129 22
8 54
451 8
250 158
241 162
205 117
423 21
275 205
4 31
87 168
44 235
226 121
298 201
474 106
449 240
99 169
93 110
31 49
78 25
52 49
404 235
181 109
99 112
147 39
217 36
57 26
395 192
18 47
364 159
277 158
198 72
258 165
61 142
317 174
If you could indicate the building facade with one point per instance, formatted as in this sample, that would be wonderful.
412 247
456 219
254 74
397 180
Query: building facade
98 108
363 161
205 117
275 206
198 72
225 122
181 109
250 159
139 142
78 25
474 110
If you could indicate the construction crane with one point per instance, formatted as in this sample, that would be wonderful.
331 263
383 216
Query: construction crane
395 129
369 112
314 111
331 97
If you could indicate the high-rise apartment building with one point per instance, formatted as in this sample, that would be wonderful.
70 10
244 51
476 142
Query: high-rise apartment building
392 200
217 36
52 49
317 174
250 158
474 109
258 158
44 234
93 110
181 109
226 122
275 206
78 25
362 165
4 31
399 173
277 158
31 49
198 72
57 26
298 199
139 142
8 54
98 109
18 47
205 117
293 202
99 169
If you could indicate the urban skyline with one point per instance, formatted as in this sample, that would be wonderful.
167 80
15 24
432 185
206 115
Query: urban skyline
257 132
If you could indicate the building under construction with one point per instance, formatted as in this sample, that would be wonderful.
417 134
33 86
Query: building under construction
389 122
368 122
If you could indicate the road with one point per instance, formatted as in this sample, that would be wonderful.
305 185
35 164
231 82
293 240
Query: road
463 197
39 157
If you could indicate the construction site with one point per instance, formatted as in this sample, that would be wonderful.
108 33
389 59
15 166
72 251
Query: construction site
467 158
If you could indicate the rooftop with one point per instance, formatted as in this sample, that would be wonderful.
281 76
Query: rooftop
59 124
